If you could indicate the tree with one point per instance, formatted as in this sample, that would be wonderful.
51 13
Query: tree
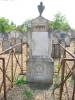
59 22
12 26
22 28
25 26
27 23
5 25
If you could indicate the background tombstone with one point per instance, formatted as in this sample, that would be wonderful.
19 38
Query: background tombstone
55 48
12 34
25 34
13 41
67 40
5 35
1 38
20 36
18 48
62 35
55 40
17 34
64 45
5 45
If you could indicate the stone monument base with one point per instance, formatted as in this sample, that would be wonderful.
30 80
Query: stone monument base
39 70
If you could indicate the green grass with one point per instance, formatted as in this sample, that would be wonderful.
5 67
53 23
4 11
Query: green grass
27 94
70 79
20 80
56 80
56 66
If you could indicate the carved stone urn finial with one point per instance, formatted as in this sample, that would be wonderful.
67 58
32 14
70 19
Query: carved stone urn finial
41 8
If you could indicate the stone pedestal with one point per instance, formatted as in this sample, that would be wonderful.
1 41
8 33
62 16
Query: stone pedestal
39 70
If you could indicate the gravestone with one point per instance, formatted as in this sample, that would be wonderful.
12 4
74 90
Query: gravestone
12 34
13 41
17 33
55 48
67 40
20 36
25 35
5 36
18 48
55 40
39 66
5 45
1 38
62 35
64 45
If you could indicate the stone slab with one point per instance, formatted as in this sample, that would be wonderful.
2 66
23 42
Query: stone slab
18 48
39 70
5 45
39 43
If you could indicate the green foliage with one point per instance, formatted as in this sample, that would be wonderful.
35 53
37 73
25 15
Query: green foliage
70 79
56 80
22 28
56 66
20 80
27 23
27 94
5 25
12 26
59 22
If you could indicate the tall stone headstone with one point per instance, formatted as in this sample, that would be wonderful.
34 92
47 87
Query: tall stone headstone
55 48
12 34
5 45
40 64
67 40
5 36
17 33
64 45
13 41
1 38
18 48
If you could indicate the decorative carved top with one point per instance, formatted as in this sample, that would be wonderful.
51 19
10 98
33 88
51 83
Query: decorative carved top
39 21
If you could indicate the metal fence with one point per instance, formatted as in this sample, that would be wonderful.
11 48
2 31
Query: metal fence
11 65
66 71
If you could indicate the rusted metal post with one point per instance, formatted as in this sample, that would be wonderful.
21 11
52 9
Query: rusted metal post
4 79
12 67
73 91
73 77
62 78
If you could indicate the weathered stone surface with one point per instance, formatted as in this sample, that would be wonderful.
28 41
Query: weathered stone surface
13 41
39 70
64 45
18 48
67 40
40 44
5 45
55 40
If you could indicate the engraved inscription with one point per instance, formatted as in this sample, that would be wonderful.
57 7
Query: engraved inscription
39 70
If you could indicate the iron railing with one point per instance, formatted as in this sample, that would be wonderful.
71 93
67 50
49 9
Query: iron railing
11 65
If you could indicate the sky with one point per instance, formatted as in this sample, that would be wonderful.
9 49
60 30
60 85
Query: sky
20 10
